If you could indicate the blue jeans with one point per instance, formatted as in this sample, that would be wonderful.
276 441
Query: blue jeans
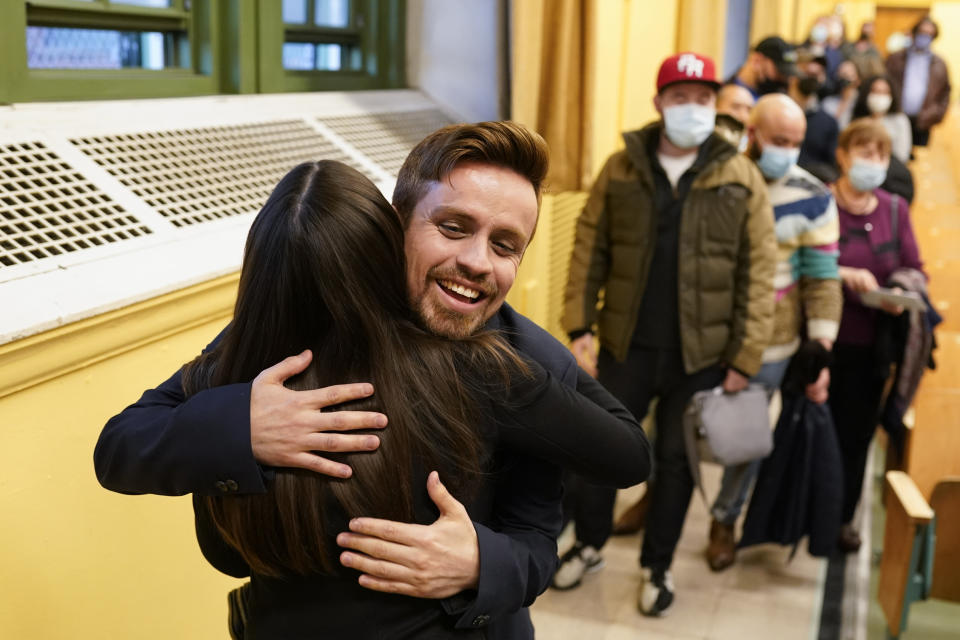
737 478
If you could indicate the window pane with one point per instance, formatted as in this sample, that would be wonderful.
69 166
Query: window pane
67 48
295 11
298 56
144 3
328 57
332 13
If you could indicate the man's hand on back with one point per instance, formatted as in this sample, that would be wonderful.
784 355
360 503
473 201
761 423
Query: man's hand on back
585 351
287 427
423 561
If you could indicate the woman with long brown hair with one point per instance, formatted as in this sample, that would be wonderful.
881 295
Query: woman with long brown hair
324 270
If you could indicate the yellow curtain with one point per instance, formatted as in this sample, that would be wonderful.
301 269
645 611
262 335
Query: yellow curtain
550 41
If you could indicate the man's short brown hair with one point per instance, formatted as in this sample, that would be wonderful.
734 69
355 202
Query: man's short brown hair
865 131
503 144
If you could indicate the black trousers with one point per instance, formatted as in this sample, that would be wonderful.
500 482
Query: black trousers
921 137
856 388
647 374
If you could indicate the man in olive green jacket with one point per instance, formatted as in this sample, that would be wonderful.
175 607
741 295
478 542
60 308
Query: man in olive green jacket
678 234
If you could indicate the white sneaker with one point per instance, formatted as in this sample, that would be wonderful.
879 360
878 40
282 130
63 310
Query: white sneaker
574 564
656 592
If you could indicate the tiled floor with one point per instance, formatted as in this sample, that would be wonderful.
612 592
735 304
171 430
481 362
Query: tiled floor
764 595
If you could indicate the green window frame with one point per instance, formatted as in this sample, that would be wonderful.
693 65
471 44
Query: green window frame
375 27
18 83
236 46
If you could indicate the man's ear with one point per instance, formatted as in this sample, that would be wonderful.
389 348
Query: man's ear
656 104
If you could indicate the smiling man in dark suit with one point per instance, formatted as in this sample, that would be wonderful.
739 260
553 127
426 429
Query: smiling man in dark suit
468 196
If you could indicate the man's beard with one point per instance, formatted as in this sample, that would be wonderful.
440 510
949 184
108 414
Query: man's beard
443 321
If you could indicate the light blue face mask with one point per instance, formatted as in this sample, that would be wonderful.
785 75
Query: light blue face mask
922 42
774 162
688 125
867 176
819 34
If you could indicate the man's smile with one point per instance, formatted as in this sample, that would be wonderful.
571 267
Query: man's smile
460 292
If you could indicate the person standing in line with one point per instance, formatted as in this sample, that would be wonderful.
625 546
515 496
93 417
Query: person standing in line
767 68
806 282
820 143
921 80
864 53
840 105
678 233
876 238
734 106
877 100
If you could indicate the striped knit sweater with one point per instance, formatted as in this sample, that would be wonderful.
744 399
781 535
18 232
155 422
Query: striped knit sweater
806 280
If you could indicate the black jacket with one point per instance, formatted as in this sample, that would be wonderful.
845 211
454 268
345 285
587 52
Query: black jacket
799 490
538 417
171 445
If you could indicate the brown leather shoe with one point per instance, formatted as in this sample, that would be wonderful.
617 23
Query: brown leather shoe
849 540
722 550
634 518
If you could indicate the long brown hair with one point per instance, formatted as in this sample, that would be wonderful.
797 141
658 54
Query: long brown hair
324 269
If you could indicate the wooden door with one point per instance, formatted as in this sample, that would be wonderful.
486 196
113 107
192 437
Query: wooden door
889 20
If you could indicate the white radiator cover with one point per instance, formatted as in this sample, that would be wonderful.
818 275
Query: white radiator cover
103 204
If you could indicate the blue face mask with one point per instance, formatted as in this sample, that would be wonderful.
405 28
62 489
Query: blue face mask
774 162
867 176
819 34
922 41
688 125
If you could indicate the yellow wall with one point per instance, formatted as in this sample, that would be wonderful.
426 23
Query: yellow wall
632 37
628 40
947 16
701 27
77 561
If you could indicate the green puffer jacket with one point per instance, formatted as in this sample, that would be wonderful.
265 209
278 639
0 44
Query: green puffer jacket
727 256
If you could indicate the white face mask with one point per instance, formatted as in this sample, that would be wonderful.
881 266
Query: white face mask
867 176
879 103
688 125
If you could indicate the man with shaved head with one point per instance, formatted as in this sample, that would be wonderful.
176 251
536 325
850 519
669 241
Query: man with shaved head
809 298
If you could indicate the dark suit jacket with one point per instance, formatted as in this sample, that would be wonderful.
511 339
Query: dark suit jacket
168 444
537 416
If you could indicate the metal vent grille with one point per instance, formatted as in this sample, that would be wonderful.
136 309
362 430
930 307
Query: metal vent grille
195 175
563 227
387 138
48 209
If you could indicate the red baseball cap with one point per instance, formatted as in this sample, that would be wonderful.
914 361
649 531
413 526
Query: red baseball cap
687 67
